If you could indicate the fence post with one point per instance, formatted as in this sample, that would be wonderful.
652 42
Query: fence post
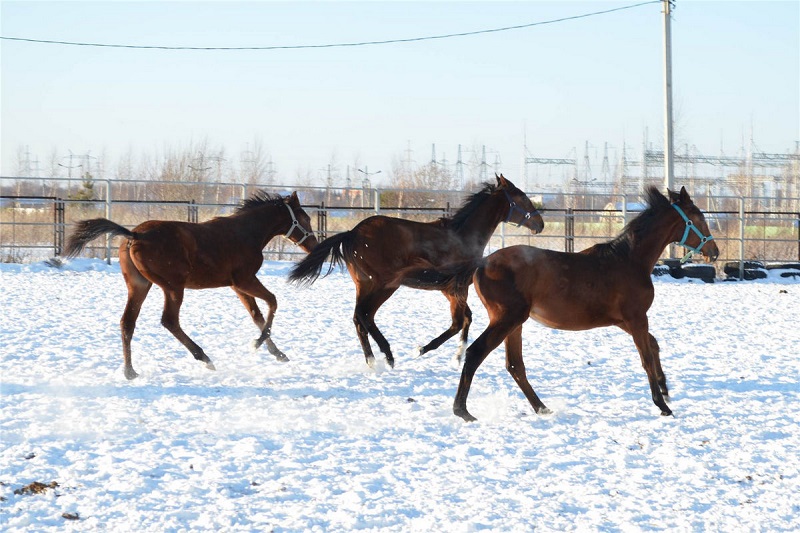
377 201
108 216
58 228
741 238
322 223
624 209
569 231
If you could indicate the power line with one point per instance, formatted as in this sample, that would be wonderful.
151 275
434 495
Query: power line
333 45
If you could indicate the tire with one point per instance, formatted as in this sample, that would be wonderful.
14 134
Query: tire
707 273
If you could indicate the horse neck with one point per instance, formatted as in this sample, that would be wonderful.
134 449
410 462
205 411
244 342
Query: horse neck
482 223
265 222
664 231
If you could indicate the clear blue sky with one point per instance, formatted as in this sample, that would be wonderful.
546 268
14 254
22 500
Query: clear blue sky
598 79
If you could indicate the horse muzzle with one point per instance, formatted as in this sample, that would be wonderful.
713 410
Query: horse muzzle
534 223
710 251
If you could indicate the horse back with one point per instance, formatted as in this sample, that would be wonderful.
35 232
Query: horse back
192 255
399 242
571 291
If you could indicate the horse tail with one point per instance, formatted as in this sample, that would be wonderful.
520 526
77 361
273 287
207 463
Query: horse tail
452 277
88 230
338 248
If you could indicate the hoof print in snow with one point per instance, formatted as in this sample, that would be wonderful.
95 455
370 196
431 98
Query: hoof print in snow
36 488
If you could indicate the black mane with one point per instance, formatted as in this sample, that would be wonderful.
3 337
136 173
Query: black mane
621 245
468 208
259 198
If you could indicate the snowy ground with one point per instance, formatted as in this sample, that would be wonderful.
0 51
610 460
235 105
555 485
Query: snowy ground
323 443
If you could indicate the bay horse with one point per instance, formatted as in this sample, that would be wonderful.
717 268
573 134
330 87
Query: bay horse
608 284
221 252
378 247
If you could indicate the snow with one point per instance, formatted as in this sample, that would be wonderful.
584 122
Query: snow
324 443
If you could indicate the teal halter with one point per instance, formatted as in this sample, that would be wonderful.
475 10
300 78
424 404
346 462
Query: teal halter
691 227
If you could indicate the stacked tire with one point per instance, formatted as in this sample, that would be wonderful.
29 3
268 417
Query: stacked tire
677 270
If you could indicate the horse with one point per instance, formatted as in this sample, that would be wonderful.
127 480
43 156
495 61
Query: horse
608 284
221 252
379 246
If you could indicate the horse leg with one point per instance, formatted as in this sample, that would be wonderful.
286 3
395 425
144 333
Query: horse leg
662 378
248 291
252 309
458 310
638 329
364 319
476 354
516 367
138 288
462 345
170 319
656 351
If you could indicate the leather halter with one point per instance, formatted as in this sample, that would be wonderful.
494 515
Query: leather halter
526 215
295 224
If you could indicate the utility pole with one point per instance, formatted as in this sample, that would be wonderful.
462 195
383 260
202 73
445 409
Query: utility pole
69 167
668 156
366 184
484 174
668 138
408 161
459 171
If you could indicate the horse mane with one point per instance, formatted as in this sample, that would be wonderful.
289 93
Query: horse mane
621 245
468 208
259 198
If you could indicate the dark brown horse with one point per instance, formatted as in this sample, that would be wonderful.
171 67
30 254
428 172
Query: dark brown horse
222 252
608 284
379 247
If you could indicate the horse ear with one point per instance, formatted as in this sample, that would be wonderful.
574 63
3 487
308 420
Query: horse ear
684 196
501 180
293 197
673 196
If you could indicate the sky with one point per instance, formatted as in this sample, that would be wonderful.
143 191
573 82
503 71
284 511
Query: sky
554 88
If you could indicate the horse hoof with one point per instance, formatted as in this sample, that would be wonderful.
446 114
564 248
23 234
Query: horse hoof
282 358
210 366
666 413
544 411
130 374
464 414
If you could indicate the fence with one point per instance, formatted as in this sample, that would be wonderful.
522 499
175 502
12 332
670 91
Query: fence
35 215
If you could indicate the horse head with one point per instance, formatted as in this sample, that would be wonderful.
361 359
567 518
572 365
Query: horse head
521 210
300 231
696 235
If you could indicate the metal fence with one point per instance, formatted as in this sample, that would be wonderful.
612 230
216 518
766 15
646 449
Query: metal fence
36 215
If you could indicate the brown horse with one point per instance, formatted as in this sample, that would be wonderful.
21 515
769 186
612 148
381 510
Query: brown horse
222 252
379 247
608 284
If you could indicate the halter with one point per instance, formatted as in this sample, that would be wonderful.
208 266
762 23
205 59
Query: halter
296 224
691 227
526 215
